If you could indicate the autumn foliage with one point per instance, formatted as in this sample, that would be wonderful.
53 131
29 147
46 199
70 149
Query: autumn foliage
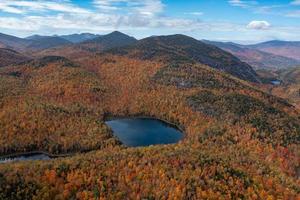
65 104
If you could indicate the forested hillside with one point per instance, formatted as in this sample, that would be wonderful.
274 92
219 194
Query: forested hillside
290 87
240 142
8 57
183 49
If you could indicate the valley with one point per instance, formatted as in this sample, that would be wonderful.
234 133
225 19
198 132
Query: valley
289 84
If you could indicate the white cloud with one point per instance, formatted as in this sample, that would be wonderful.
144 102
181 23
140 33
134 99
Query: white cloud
26 6
10 9
196 13
242 3
94 22
259 25
18 24
260 7
141 7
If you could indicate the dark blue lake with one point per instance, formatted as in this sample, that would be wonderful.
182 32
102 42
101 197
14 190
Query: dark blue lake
135 132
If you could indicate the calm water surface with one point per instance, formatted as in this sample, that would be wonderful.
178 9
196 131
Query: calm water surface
134 132
276 82
25 157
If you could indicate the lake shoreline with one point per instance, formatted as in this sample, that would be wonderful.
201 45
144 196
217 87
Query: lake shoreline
32 153
106 117
110 117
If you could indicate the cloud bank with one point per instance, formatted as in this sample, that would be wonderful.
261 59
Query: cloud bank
136 17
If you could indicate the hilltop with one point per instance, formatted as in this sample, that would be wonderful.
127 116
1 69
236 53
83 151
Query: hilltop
90 46
109 41
184 49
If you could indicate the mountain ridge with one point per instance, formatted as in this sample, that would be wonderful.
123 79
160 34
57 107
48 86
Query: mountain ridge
46 42
12 42
181 48
78 38
288 49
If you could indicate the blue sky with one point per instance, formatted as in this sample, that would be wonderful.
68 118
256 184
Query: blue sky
245 21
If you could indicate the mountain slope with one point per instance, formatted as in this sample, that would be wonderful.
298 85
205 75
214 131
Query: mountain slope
46 42
32 43
181 48
50 95
240 143
12 42
288 49
256 58
89 47
112 40
9 57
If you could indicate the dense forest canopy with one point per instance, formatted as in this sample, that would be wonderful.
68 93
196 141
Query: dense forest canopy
240 141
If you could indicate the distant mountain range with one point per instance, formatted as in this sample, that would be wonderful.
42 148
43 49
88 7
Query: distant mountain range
32 43
109 41
272 54
288 49
91 46
73 38
86 40
234 59
265 55
12 42
46 42
77 38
